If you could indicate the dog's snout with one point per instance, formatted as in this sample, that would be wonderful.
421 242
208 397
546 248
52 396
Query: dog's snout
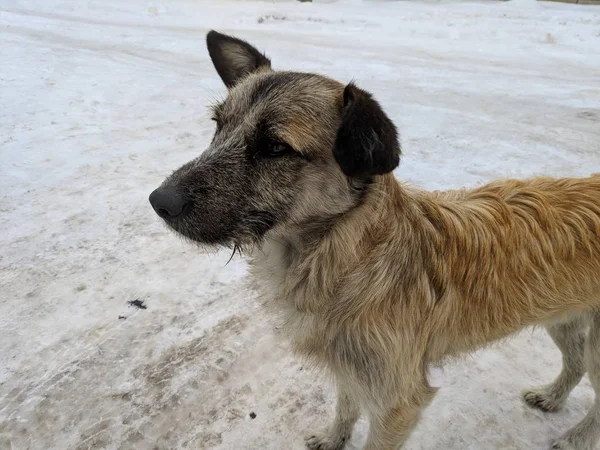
168 203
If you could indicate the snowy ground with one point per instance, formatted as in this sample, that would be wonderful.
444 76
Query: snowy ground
99 102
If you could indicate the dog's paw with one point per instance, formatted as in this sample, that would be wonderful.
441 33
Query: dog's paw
541 399
324 440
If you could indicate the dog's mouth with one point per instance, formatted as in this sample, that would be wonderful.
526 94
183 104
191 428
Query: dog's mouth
236 232
258 223
201 233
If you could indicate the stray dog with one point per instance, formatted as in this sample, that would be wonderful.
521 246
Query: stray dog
377 281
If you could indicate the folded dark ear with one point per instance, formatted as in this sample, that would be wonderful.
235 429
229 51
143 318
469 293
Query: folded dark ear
367 141
234 58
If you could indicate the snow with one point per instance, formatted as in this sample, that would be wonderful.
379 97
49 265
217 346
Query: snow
101 100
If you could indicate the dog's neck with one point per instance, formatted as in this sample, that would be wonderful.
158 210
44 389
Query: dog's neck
360 219
304 262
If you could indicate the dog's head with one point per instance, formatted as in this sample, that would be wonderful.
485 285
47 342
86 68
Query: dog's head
289 150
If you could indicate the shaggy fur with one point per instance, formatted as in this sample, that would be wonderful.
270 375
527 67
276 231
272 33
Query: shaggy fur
377 281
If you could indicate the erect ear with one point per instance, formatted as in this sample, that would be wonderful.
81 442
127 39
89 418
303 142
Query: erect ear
367 141
234 58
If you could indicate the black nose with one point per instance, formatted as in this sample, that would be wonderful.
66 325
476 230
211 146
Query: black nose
167 203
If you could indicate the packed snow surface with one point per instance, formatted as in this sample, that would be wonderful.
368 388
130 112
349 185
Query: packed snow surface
99 101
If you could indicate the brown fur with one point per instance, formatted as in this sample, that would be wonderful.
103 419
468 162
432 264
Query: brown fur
409 278
377 281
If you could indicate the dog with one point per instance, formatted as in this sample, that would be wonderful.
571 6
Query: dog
374 280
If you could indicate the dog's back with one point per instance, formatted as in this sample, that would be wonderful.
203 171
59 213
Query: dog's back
514 253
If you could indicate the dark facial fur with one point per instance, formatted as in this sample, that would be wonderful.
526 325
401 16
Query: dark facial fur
289 150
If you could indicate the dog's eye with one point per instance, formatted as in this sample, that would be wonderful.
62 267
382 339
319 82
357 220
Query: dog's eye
276 148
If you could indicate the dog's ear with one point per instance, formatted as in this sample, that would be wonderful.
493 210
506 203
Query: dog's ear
234 58
367 141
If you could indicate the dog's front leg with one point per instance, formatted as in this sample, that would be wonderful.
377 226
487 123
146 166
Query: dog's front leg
391 426
335 436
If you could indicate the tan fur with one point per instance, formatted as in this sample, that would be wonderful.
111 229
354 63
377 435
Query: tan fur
408 278
377 281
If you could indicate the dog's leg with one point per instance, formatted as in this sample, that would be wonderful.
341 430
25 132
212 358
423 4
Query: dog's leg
586 433
335 436
391 427
569 338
